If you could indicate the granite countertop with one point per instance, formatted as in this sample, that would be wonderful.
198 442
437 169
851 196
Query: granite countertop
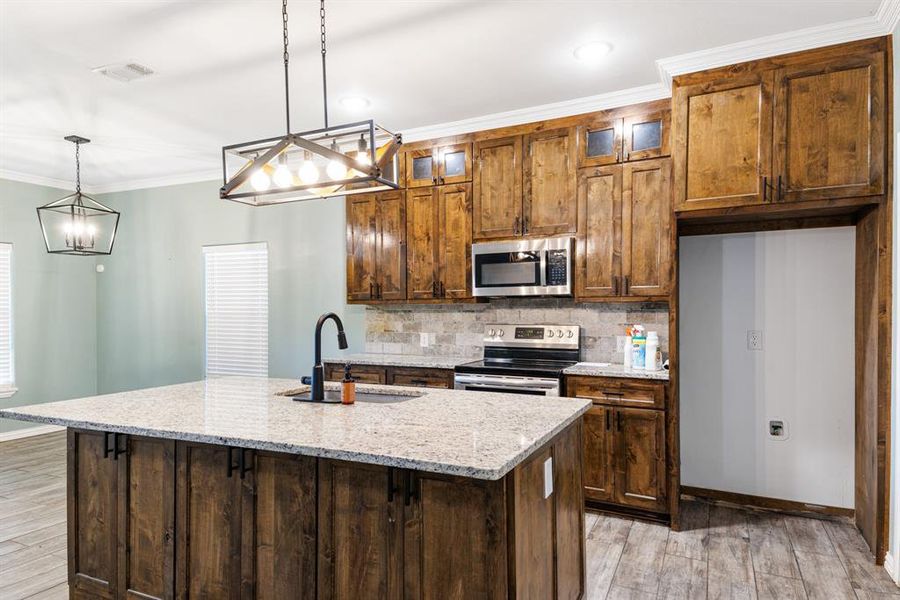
613 370
472 434
400 360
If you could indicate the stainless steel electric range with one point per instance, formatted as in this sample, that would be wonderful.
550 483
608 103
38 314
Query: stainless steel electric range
522 359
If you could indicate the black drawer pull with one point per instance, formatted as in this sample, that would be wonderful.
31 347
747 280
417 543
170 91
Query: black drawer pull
116 450
410 492
231 465
392 488
106 448
243 463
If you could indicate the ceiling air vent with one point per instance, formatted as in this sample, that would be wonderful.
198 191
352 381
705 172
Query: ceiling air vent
124 72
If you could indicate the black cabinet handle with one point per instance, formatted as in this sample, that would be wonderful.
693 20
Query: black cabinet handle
524 225
371 290
625 285
615 285
607 420
409 492
516 226
378 291
392 487
231 465
243 463
443 292
434 289
780 196
765 187
434 181
106 448
116 450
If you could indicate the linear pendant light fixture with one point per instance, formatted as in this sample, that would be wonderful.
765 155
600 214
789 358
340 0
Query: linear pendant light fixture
78 224
333 161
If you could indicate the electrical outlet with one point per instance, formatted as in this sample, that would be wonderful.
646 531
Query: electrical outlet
620 343
548 477
423 340
754 339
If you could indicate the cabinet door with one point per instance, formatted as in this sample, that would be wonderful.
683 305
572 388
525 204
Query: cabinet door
208 528
600 143
497 197
360 531
423 235
598 453
455 538
647 135
362 216
147 520
600 239
92 506
723 142
282 541
550 206
421 168
646 235
640 458
830 129
455 207
391 255
454 163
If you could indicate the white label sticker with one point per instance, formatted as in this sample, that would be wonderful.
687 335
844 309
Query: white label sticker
548 477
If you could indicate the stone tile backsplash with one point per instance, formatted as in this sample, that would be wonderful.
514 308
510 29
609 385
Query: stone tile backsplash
457 330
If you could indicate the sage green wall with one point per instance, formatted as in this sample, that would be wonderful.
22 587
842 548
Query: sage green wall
150 296
54 307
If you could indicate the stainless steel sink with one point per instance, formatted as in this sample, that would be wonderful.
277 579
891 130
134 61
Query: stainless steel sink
334 397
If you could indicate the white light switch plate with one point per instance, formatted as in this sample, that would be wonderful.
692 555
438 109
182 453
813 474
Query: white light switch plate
548 477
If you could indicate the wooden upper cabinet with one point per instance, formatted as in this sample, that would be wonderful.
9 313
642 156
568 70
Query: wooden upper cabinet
723 142
93 515
647 135
210 521
391 251
598 454
599 257
423 233
439 165
550 205
361 248
497 196
830 129
646 231
600 142
421 168
640 458
360 532
455 245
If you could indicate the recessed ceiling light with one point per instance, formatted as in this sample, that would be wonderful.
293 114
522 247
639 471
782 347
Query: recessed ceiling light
355 103
592 52
124 72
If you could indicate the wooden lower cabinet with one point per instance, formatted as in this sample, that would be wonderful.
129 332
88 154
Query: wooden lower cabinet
598 452
408 376
166 519
640 458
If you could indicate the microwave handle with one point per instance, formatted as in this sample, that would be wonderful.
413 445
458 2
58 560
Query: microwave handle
544 254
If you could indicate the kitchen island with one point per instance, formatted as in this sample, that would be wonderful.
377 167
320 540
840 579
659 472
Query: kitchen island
227 488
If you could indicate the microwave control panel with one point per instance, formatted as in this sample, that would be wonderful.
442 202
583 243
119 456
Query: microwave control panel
557 267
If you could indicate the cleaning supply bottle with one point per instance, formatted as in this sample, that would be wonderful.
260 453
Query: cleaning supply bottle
348 387
638 348
627 362
653 353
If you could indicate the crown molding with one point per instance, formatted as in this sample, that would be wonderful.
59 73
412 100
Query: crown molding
155 182
542 112
883 22
61 184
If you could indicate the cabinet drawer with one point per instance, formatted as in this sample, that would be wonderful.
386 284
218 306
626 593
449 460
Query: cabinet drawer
432 378
618 391
360 373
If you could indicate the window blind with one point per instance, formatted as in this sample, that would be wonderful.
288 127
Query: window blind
7 365
237 309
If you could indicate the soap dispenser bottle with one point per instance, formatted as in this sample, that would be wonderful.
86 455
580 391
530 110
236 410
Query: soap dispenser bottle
348 387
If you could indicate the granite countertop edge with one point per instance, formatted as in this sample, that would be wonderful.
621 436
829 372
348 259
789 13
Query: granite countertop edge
444 468
616 371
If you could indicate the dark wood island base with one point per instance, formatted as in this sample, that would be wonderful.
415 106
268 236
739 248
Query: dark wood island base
159 518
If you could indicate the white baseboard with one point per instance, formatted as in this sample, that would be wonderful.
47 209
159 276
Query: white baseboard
890 565
29 432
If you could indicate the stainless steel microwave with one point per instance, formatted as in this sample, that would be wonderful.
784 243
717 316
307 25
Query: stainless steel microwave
533 267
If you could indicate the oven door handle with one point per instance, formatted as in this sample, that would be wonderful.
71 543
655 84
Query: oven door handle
508 388
535 383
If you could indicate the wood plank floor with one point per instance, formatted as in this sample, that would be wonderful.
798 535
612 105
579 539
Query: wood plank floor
722 553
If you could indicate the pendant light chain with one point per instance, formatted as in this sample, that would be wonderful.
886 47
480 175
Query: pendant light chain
324 76
287 87
78 168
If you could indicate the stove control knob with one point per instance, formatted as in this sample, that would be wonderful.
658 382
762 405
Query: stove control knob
500 333
559 332
570 334
491 332
549 333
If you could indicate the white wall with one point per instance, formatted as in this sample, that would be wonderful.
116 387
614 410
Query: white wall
796 287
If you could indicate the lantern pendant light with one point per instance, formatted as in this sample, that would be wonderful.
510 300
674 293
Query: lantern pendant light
336 160
78 224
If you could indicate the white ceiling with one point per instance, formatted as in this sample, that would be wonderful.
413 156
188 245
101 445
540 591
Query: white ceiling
219 73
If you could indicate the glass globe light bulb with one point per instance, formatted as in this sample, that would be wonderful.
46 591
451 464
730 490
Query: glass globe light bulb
282 176
336 170
260 181
308 172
